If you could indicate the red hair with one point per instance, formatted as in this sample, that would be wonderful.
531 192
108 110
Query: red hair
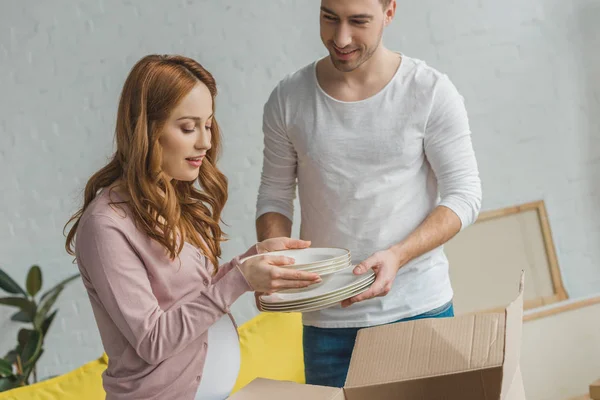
170 212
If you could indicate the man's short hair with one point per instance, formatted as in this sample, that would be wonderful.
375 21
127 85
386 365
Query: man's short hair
385 3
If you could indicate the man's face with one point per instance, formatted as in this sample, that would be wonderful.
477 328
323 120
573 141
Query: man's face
351 30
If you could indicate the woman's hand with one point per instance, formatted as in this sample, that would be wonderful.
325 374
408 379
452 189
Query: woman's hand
281 243
265 274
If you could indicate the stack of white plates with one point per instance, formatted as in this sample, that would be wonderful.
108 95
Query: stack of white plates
337 287
322 260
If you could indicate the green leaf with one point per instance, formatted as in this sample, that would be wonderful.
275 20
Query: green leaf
34 280
59 286
45 307
21 316
27 306
5 367
47 322
32 348
23 336
8 383
8 285
11 356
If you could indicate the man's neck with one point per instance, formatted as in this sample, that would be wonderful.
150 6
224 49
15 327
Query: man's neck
380 62
364 81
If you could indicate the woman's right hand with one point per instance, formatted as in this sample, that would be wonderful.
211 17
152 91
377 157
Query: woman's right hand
265 274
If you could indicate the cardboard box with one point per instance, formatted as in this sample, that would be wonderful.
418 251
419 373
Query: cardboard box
469 357
595 390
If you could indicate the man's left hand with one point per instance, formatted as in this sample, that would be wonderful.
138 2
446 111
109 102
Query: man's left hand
281 243
385 264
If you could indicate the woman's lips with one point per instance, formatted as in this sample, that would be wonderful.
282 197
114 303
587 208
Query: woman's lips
194 161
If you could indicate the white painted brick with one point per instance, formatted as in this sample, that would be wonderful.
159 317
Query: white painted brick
450 20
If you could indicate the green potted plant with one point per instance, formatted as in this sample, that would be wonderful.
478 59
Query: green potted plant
36 310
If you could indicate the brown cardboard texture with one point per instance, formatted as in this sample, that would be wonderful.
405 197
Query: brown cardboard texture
469 357
265 389
595 390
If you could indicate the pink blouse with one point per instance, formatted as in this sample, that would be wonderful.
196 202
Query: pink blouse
153 314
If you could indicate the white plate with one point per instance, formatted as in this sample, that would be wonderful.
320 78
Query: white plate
317 266
335 270
332 303
342 264
309 256
321 300
344 279
319 305
325 290
311 267
323 274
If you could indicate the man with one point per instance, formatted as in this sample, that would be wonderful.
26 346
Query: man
379 144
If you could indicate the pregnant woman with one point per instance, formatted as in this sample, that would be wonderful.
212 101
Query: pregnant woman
147 243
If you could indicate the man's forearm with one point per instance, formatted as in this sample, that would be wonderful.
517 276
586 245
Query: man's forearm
439 227
272 224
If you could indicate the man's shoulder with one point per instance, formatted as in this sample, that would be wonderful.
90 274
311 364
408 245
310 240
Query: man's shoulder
420 72
293 81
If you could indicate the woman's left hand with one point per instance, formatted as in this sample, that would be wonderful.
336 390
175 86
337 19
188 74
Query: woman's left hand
281 243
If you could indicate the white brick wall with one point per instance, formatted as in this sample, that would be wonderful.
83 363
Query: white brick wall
528 71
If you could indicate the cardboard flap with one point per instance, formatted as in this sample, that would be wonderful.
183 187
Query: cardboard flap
516 390
425 348
512 350
595 390
261 389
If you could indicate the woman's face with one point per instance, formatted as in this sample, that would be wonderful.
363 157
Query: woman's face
186 135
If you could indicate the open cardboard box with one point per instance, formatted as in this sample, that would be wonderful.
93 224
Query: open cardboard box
469 357
595 390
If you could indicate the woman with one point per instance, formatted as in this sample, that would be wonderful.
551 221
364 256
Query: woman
148 241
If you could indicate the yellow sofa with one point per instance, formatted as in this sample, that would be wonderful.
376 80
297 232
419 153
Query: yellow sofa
271 347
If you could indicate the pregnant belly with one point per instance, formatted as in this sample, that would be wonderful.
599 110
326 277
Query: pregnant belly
222 361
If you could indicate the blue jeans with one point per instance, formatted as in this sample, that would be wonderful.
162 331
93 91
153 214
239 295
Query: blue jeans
327 351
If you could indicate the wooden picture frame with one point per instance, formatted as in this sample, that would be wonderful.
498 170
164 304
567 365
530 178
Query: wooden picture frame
565 306
525 231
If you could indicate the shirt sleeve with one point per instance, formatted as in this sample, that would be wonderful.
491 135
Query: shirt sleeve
120 280
277 189
225 268
450 152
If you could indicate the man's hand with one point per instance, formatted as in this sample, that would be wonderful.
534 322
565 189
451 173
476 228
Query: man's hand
385 264
257 301
281 243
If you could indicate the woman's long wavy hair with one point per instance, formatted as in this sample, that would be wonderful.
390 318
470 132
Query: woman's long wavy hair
170 212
